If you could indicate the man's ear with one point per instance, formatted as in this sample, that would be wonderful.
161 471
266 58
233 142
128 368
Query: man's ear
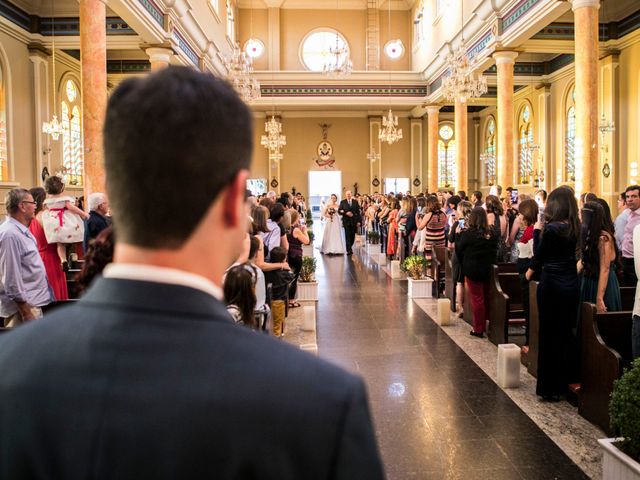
234 206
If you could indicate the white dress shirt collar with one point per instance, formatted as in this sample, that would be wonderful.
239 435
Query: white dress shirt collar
153 273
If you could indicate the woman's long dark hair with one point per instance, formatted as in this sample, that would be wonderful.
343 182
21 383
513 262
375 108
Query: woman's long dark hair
562 207
594 222
99 255
239 290
478 222
494 205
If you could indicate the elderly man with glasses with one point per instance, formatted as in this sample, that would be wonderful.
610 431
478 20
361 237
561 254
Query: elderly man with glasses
98 217
24 288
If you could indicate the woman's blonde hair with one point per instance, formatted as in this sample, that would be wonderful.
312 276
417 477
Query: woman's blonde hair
465 207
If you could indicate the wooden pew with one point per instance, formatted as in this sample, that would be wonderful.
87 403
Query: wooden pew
449 281
628 297
505 304
606 350
438 265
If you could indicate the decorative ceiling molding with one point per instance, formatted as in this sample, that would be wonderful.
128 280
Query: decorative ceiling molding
324 5
417 91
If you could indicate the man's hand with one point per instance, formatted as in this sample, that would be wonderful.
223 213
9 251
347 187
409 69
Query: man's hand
349 214
25 311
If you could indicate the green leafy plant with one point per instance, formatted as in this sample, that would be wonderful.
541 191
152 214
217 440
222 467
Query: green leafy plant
311 236
308 270
624 410
415 266
308 219
373 237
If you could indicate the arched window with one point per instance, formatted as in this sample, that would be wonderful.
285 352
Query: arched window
490 151
525 157
570 139
316 46
4 157
446 156
72 158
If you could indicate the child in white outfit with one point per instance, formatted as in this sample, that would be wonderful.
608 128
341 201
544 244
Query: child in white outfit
62 220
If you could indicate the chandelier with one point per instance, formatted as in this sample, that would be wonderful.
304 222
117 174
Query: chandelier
463 82
390 132
239 73
54 127
273 140
339 65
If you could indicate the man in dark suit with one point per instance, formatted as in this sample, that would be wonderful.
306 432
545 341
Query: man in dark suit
147 376
350 210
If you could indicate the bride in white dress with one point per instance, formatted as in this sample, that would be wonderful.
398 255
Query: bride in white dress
332 239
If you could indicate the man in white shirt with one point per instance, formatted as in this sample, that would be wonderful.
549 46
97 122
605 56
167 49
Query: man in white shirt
147 376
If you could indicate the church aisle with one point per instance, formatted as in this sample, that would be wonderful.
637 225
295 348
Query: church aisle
437 414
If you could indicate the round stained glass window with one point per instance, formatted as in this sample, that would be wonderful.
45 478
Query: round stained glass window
394 49
317 47
72 91
446 132
254 48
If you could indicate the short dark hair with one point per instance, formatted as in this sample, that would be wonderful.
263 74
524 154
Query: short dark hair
276 212
632 187
477 194
53 185
180 132
454 200
277 255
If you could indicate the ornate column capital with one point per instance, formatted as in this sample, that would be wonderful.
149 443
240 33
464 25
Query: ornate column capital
505 57
576 4
433 109
159 54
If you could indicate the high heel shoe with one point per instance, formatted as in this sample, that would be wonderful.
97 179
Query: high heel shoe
476 334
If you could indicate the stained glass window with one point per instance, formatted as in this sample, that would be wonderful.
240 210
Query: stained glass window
446 157
570 139
525 156
71 118
316 49
490 152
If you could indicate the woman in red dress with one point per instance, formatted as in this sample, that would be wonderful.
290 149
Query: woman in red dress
48 251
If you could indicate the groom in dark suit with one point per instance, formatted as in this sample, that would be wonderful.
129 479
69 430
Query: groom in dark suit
350 210
147 376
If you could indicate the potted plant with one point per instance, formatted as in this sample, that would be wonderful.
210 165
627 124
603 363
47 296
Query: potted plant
307 285
419 286
307 250
621 456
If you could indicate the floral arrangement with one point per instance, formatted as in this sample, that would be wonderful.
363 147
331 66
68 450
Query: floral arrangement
331 212
373 237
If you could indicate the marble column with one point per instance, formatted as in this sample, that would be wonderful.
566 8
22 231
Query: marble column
93 54
586 65
432 145
160 57
506 145
461 145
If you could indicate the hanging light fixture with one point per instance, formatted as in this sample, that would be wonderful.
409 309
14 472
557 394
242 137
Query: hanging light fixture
54 128
339 64
273 140
390 132
463 82
240 74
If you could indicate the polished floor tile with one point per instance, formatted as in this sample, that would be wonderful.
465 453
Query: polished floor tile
436 413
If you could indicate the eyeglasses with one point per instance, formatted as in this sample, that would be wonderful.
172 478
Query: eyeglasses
27 201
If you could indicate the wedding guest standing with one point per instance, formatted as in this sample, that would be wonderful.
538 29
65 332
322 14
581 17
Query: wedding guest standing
558 292
475 248
48 251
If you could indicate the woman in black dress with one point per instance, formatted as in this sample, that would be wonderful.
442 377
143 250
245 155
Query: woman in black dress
558 292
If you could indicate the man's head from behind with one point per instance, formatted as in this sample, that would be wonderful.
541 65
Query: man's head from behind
184 139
